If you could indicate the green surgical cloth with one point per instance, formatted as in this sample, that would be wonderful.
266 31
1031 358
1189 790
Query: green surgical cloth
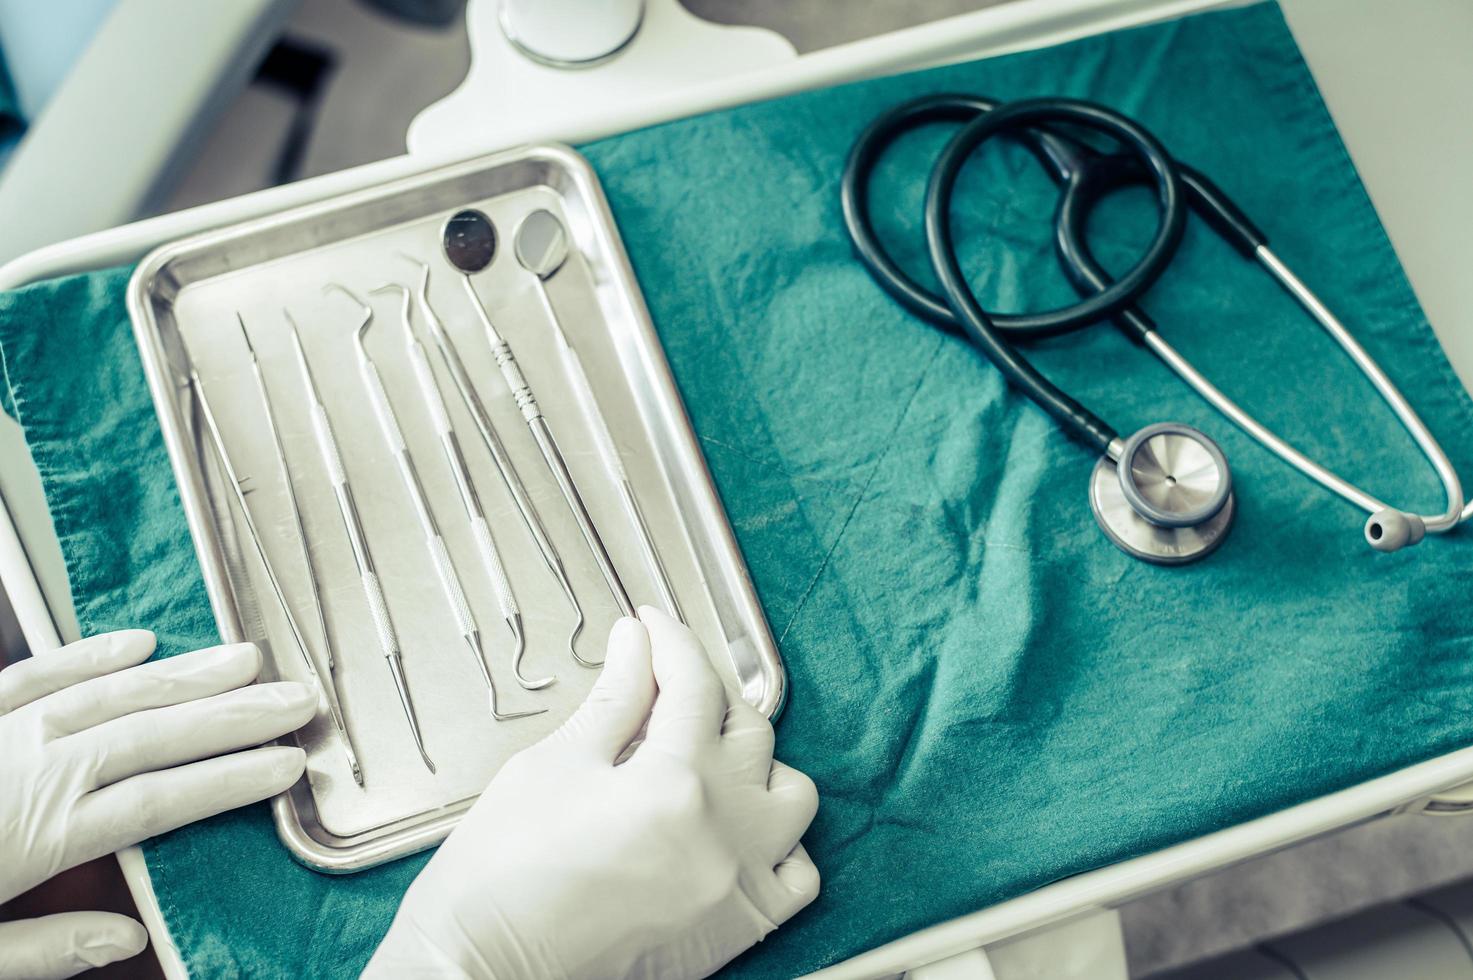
988 694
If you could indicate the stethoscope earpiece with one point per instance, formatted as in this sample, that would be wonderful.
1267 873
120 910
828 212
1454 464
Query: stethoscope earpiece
1391 530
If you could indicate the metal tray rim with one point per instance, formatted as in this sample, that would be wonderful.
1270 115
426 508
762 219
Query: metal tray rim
427 832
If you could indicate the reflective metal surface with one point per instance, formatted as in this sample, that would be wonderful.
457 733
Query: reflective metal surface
1138 537
193 289
541 243
469 240
1173 475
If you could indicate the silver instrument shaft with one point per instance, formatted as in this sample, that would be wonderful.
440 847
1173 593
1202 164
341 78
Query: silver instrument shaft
608 452
472 401
373 591
526 400
491 562
327 695
291 495
450 584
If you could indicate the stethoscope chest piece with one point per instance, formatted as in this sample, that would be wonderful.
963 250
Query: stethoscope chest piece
1169 499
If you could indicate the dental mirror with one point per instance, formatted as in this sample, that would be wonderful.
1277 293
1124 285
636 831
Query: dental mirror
541 244
469 240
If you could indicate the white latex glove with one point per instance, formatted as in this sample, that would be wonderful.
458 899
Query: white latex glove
98 753
667 864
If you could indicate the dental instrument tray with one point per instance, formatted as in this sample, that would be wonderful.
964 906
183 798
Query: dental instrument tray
429 448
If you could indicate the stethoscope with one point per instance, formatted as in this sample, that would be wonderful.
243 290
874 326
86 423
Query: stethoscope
1165 493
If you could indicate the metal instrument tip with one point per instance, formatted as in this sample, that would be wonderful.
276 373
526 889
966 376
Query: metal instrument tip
578 623
246 334
514 623
512 715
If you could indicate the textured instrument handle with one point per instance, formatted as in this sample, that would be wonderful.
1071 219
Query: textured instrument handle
439 415
603 439
331 458
451 583
520 390
388 640
381 408
505 598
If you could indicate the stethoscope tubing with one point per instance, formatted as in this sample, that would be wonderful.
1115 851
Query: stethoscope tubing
1053 151
961 299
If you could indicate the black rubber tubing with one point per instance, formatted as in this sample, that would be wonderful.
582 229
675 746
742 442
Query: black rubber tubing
1064 159
1104 176
982 329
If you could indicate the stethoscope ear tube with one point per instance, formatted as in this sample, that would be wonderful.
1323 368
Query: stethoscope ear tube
1062 157
962 301
854 194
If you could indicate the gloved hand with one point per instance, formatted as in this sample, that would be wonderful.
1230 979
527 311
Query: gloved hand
98 753
573 864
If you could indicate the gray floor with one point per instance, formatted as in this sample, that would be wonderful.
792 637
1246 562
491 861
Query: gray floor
1323 879
388 72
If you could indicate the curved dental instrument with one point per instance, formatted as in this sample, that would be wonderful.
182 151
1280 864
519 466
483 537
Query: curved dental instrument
429 390
541 247
469 242
450 585
373 593
291 494
326 693
451 355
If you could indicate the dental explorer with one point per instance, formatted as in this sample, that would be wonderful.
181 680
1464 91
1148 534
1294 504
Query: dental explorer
326 693
373 593
291 494
429 390
469 242
509 475
450 584
541 247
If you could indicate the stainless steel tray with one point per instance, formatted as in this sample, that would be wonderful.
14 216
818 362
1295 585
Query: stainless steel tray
195 287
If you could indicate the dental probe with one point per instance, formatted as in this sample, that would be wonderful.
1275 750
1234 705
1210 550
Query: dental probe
291 494
326 694
450 584
373 592
468 241
542 248
429 390
472 401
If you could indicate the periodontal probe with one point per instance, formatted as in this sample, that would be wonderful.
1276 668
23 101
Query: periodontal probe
434 400
326 693
291 494
450 354
373 593
392 431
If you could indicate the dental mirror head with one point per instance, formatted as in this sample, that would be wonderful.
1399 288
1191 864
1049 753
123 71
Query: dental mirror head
1168 499
541 243
469 240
